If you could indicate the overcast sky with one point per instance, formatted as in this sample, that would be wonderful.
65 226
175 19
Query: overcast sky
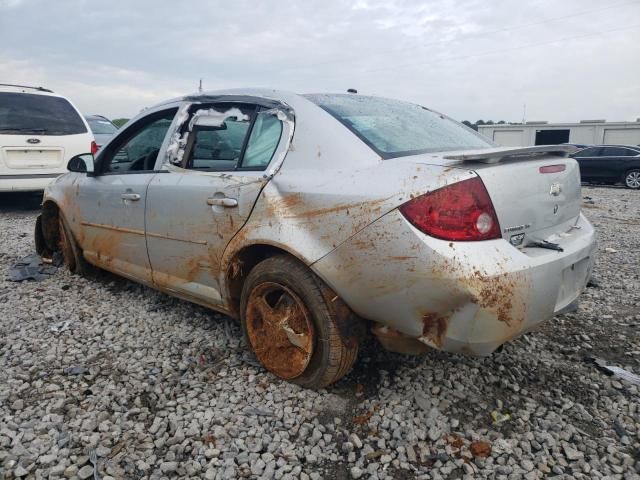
566 60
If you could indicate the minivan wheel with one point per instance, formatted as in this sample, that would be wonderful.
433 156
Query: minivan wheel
632 179
71 252
289 326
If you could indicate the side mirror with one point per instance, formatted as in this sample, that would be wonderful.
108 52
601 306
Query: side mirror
81 163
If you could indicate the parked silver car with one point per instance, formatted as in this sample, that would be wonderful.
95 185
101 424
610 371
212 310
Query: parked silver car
311 217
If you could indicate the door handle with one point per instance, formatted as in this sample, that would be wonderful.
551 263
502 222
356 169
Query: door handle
134 197
222 202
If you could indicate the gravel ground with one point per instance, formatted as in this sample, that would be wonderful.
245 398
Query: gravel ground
165 389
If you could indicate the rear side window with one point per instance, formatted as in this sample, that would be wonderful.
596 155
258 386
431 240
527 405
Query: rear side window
264 139
393 128
218 148
618 152
28 114
588 152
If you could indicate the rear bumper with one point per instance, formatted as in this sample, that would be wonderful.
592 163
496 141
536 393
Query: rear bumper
26 183
468 297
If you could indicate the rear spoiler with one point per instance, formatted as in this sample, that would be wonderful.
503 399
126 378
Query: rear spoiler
495 155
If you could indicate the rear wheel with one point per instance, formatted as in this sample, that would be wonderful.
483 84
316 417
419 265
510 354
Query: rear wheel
289 324
632 179
71 252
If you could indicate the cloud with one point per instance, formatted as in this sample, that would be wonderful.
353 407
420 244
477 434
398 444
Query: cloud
6 4
469 58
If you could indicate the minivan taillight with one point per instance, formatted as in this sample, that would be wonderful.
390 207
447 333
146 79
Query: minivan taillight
94 147
459 212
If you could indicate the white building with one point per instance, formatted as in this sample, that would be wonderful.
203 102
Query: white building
586 132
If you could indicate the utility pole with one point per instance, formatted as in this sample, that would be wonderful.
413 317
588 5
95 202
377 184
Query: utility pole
200 86
524 114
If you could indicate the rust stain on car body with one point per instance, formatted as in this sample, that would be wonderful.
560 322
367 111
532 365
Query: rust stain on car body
106 247
295 205
398 342
500 294
434 328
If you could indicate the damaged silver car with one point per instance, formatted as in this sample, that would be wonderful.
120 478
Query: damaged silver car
316 218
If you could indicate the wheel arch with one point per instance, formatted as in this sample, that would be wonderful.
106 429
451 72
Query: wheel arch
47 231
241 262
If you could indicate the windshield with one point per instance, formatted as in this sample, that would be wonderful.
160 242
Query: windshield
26 113
101 127
393 128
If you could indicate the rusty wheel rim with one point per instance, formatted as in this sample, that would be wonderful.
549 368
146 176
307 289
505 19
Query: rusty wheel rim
280 329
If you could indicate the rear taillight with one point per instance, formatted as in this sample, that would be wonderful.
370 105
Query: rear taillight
460 212
94 148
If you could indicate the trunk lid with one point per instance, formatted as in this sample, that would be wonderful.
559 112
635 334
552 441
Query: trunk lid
534 190
542 204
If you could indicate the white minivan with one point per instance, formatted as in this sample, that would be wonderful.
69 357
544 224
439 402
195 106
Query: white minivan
39 132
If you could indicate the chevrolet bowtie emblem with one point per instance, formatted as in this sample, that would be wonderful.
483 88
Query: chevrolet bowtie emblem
555 190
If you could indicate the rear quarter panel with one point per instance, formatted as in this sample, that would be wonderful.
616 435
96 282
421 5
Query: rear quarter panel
330 186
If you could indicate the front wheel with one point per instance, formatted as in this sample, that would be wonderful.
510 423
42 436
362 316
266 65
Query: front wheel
291 326
632 179
70 249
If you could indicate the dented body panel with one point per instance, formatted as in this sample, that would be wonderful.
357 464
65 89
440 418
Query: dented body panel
330 201
186 238
456 296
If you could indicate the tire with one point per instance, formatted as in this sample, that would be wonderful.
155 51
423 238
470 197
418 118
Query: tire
71 252
632 179
316 355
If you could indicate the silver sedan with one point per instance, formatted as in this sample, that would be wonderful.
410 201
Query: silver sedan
315 219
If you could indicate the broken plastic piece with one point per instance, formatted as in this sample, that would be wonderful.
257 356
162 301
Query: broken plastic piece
175 150
612 370
60 326
499 417
32 267
215 118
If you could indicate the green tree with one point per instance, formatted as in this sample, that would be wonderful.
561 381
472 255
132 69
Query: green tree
482 122
470 125
118 122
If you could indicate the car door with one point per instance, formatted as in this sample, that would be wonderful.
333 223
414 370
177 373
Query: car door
111 202
196 208
588 159
621 159
610 163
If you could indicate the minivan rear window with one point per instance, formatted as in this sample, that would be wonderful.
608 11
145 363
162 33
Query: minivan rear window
28 114
394 129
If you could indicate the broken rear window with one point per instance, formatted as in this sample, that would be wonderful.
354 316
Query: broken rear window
394 129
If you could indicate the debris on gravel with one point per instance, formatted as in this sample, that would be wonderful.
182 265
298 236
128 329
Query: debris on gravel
161 388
